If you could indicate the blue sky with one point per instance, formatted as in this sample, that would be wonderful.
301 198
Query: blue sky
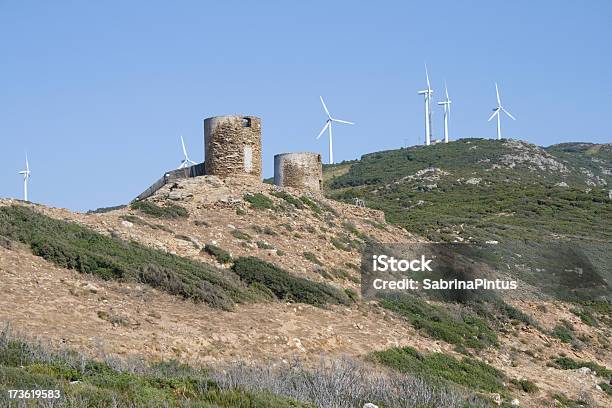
98 93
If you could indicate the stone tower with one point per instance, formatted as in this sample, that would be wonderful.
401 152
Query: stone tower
233 146
298 170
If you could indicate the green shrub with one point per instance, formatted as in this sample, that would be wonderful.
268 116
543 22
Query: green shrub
269 231
240 211
312 258
289 198
88 383
351 294
586 316
468 372
221 255
563 333
525 385
465 330
339 244
72 246
259 201
567 363
311 204
169 210
264 245
201 223
286 286
606 387
236 233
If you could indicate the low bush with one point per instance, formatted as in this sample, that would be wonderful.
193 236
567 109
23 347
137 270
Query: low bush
464 330
236 233
72 246
286 286
586 316
289 198
201 223
525 385
469 372
168 210
567 363
312 258
259 201
311 204
563 333
264 245
87 383
221 255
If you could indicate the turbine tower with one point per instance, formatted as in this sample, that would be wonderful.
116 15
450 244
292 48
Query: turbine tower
497 112
26 177
186 162
427 93
446 103
328 126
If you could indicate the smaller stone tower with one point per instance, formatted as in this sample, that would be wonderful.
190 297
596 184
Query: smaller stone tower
232 146
298 170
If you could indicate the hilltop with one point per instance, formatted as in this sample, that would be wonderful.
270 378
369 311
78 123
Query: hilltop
227 272
510 193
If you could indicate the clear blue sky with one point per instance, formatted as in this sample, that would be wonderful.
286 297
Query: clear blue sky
99 92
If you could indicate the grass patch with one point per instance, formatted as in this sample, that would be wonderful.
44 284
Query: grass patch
286 286
469 372
259 201
221 255
72 246
340 245
168 210
312 258
465 330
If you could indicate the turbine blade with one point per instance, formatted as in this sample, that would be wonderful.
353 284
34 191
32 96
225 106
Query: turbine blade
446 91
497 92
493 115
325 107
427 76
508 113
184 149
343 121
323 130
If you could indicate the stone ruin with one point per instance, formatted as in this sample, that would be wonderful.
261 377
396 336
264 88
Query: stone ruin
298 170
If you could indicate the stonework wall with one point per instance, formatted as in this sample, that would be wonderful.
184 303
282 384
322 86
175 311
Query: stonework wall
298 170
233 146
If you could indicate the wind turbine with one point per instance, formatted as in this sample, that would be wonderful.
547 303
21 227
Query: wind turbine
497 111
427 92
446 103
328 126
186 160
26 177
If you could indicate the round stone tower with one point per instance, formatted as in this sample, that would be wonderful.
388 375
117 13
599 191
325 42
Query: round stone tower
298 170
232 145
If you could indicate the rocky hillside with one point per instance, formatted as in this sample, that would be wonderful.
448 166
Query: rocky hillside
528 200
229 272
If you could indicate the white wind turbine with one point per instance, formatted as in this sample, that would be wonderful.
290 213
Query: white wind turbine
446 103
497 111
328 126
186 162
26 176
427 92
